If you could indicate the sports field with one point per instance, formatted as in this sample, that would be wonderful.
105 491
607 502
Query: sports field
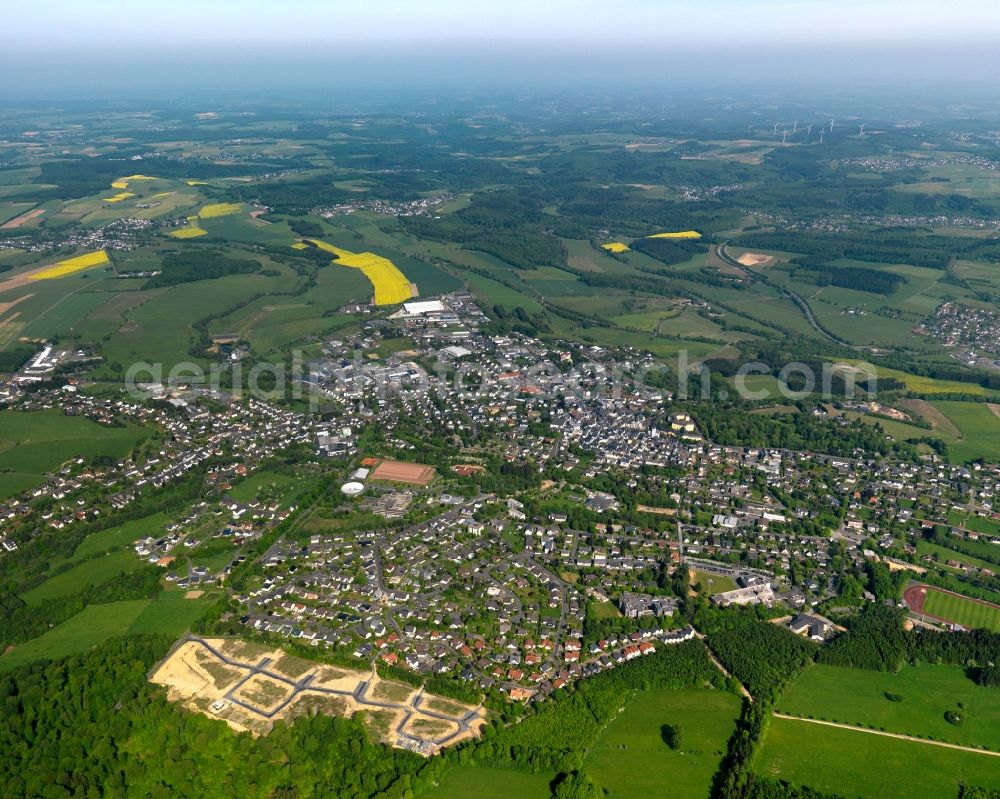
402 472
951 607
631 761
858 764
920 696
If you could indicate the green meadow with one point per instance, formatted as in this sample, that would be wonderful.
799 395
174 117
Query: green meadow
855 763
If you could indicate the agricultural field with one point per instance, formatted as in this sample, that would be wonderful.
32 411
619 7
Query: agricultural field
631 761
979 427
944 554
391 286
84 574
170 613
214 210
849 762
121 537
679 234
920 697
490 783
34 443
71 265
188 233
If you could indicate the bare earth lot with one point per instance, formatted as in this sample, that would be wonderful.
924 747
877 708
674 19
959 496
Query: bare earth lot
249 686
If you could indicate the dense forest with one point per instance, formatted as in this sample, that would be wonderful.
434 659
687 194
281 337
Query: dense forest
93 726
800 431
859 278
876 640
195 265
505 224
762 656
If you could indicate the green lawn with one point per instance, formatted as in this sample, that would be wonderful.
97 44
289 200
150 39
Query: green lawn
631 761
91 626
944 555
87 573
264 484
857 764
603 610
124 535
980 429
169 614
851 696
713 583
962 611
33 443
463 782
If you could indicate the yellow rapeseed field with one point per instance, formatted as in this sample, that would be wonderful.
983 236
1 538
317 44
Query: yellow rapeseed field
196 182
188 233
70 265
615 246
391 285
119 197
119 184
680 234
219 209
139 177
300 245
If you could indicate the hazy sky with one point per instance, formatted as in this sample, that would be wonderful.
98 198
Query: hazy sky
158 22
127 42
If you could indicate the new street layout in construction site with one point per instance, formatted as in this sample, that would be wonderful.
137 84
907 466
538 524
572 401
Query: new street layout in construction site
250 686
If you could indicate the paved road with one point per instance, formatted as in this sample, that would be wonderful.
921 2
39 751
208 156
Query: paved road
797 299
888 734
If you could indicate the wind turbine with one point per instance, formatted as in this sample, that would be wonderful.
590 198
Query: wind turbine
795 127
784 135
775 129
809 131
821 136
831 126
861 129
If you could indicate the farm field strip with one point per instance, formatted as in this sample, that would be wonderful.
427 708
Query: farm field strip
391 285
70 265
